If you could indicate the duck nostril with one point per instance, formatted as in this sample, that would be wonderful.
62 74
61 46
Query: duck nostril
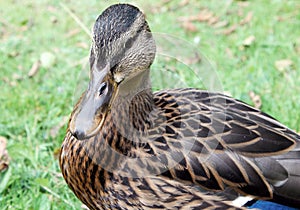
78 134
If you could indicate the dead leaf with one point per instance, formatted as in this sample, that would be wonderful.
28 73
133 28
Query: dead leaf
82 45
255 99
204 15
13 53
184 3
221 24
280 18
13 83
284 64
249 40
5 79
20 67
213 20
56 153
229 30
34 69
17 76
229 53
54 131
72 32
193 60
287 16
4 158
243 3
53 19
244 58
247 19
4 22
188 18
240 12
52 9
188 26
24 28
166 2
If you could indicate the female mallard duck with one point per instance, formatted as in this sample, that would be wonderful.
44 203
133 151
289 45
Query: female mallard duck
129 148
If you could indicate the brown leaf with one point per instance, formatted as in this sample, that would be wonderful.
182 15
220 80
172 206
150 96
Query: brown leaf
190 18
17 76
184 3
24 28
4 22
53 19
165 1
220 24
284 64
54 131
229 53
255 99
204 15
5 79
56 153
249 40
213 20
193 60
34 69
4 158
243 3
240 12
244 58
52 9
13 53
83 45
280 19
229 30
187 19
188 26
247 19
72 32
11 83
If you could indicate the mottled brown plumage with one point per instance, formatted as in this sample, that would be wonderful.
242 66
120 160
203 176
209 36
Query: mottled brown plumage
129 148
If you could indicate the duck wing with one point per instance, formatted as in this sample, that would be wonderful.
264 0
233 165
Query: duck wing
219 142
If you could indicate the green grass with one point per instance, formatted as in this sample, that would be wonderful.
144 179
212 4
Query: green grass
32 107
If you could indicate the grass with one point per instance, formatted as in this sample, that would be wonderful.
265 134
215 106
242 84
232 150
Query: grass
33 108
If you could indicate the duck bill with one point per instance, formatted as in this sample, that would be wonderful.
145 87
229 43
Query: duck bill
92 108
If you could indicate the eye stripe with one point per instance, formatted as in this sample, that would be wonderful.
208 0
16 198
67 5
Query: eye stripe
120 55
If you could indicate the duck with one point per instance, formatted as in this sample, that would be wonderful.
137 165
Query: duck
127 147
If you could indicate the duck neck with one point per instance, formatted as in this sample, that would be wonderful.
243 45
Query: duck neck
135 85
133 106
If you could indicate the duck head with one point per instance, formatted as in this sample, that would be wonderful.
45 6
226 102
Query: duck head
122 52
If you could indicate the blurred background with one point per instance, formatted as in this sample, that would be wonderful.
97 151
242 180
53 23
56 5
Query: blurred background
252 47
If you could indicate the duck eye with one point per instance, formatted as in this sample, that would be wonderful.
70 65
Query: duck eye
102 88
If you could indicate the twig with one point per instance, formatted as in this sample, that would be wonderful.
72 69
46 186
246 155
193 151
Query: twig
77 20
